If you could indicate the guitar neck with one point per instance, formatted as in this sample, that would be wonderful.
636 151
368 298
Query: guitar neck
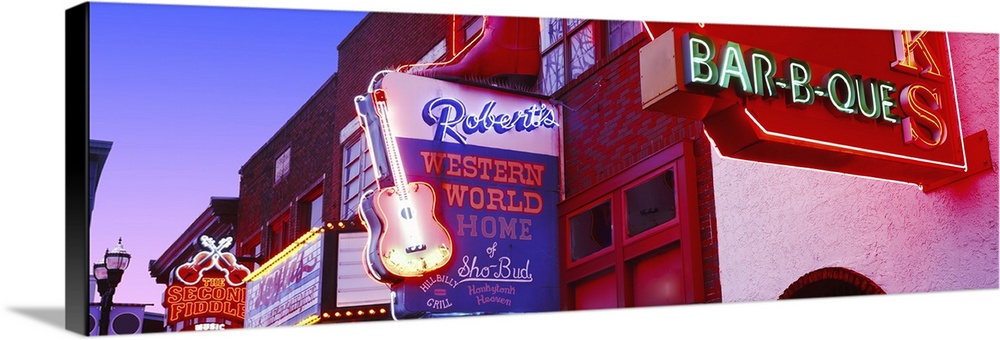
392 150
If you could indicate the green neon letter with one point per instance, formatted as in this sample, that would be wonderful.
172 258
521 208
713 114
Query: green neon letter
763 72
868 96
698 54
798 74
885 88
841 90
731 64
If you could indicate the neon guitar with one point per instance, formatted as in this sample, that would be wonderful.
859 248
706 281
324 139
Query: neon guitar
405 239
191 273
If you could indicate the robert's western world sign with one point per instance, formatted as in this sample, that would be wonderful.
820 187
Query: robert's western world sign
871 103
478 230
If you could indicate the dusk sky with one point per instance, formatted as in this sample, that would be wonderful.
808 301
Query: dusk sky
187 94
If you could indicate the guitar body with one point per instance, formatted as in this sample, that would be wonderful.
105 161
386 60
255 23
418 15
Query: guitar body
405 239
370 256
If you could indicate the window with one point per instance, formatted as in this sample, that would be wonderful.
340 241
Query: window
473 27
628 241
316 212
358 175
590 230
567 51
252 248
354 287
257 254
279 235
651 203
620 32
310 209
282 164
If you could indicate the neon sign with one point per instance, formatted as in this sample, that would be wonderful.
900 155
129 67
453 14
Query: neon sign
450 115
210 297
210 327
753 73
869 103
213 257
210 285
492 160
286 290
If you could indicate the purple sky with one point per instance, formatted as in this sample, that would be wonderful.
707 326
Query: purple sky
187 94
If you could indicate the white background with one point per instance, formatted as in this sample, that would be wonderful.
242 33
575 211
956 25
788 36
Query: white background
32 173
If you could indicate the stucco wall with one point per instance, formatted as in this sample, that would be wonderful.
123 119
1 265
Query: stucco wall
776 224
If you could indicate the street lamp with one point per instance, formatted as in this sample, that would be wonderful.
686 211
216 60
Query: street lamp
108 275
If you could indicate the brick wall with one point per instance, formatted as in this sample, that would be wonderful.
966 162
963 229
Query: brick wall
605 128
380 41
313 133
310 137
606 131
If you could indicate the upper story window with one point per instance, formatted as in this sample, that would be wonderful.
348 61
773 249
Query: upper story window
316 212
255 249
310 209
282 165
358 172
280 234
620 32
567 51
473 27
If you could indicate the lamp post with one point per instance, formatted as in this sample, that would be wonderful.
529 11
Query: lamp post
108 275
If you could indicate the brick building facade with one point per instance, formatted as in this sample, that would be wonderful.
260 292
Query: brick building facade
637 216
606 133
611 146
280 182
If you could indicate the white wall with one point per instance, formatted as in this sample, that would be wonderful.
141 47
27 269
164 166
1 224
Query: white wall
776 224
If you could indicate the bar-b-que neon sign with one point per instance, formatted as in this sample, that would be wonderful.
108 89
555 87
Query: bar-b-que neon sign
871 103
754 73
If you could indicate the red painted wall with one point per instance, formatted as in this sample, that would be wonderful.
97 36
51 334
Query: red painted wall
901 238
606 131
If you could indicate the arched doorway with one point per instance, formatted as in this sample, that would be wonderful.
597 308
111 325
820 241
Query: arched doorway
831 281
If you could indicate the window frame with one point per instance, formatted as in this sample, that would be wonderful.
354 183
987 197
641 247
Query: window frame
682 231
357 136
254 248
277 231
285 157
610 49
629 240
564 42
595 256
470 22
305 206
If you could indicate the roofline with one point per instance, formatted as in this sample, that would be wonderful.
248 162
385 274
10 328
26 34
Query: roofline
354 31
189 237
283 126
